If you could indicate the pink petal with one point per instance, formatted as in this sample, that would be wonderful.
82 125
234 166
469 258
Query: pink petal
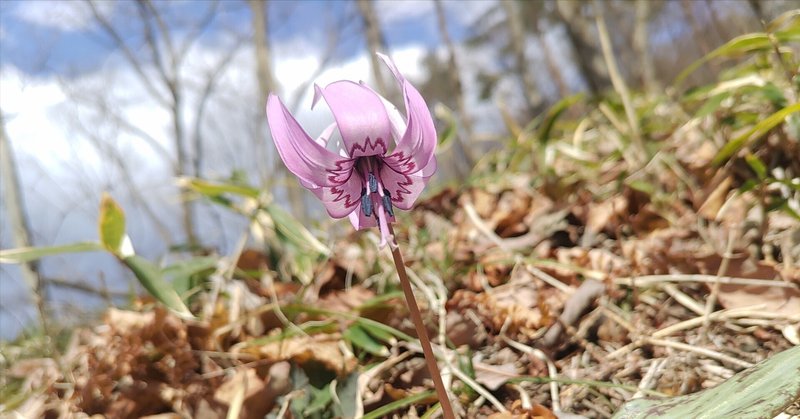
341 201
406 188
360 116
361 221
418 144
323 138
311 163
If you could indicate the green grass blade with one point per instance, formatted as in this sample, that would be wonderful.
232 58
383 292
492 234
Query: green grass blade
153 281
398 404
27 254
758 130
758 392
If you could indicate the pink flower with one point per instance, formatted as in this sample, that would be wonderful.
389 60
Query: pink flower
366 180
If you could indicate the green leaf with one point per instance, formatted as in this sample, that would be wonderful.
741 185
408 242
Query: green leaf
356 335
27 254
756 165
642 186
398 404
153 281
450 130
300 308
553 114
377 332
784 17
748 185
214 189
761 391
320 399
757 131
294 231
111 225
347 395
711 105
180 274
738 46
328 326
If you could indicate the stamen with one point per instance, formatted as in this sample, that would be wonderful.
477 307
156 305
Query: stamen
373 183
387 203
366 203
383 226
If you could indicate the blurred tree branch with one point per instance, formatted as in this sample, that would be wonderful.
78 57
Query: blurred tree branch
375 41
267 85
18 221
456 85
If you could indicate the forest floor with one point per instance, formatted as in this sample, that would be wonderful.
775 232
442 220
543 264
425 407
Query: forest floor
573 306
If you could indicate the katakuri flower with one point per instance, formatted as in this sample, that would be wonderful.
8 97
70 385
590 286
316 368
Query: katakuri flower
385 159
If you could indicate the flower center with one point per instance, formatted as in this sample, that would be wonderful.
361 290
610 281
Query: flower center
376 201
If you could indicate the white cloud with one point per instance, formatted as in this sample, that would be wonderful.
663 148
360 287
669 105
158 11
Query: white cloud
392 11
62 15
29 107
467 12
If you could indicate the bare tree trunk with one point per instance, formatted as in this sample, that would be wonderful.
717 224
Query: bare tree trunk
720 28
584 53
758 11
697 30
267 85
266 81
375 41
456 85
18 221
640 38
517 38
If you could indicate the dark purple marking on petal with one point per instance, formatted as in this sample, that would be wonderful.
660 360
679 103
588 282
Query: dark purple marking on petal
369 148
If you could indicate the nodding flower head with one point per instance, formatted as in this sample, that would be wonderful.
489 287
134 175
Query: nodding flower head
386 158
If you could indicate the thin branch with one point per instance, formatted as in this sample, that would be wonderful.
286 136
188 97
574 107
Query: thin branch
128 54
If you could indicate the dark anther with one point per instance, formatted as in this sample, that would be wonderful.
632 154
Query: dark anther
373 183
387 203
366 203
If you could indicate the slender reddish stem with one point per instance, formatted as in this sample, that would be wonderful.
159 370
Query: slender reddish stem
416 317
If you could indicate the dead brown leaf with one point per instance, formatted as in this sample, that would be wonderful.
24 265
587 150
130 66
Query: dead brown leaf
784 301
322 348
712 204
518 412
257 398
493 376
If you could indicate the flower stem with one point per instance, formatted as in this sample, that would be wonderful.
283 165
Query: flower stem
416 317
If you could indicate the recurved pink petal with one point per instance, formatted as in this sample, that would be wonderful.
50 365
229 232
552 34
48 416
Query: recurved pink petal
361 221
311 163
360 116
342 200
418 144
406 188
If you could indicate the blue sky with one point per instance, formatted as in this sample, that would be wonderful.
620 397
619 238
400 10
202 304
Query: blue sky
43 37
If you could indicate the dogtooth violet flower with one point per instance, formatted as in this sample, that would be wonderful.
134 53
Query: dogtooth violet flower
385 159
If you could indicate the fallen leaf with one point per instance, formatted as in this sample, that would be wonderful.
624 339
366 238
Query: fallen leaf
323 348
715 199
250 390
778 300
493 376
603 216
